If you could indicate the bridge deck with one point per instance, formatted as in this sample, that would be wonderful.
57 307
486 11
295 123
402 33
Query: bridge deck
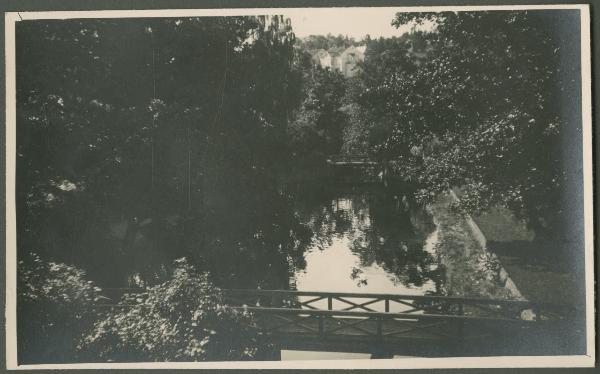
355 334
391 323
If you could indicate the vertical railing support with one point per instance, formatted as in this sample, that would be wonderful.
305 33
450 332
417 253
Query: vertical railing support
321 324
461 323
537 312
387 305
329 303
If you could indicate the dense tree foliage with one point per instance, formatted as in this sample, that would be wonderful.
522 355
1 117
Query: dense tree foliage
317 129
326 42
134 137
387 56
481 111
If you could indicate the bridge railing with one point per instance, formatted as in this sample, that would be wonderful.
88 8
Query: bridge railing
397 303
320 320
417 305
395 316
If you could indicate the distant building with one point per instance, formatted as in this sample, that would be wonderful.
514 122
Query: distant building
350 59
322 58
336 62
339 59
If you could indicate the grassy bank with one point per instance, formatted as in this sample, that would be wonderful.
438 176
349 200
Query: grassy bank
540 276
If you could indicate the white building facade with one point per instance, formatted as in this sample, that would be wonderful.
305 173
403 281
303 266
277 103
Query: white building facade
343 60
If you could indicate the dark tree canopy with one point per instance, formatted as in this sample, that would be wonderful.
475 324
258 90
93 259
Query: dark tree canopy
134 132
134 137
480 111
326 42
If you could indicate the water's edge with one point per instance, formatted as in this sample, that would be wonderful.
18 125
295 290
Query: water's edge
478 235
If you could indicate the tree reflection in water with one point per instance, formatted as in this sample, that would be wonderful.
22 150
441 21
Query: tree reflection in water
253 240
259 238
381 230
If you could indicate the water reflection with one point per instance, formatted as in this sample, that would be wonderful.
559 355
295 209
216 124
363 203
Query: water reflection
368 242
336 238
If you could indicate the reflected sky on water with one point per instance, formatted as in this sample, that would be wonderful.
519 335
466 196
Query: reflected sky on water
368 243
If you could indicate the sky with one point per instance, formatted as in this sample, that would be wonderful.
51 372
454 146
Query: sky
354 22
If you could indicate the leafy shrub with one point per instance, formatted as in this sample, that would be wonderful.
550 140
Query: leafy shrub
53 307
183 319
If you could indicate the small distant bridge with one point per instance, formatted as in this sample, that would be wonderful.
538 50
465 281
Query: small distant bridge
354 169
358 160
391 324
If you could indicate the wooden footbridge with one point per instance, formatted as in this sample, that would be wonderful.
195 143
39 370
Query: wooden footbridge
359 160
355 168
390 324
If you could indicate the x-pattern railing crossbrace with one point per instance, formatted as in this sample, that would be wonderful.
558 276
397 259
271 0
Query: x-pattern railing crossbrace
291 321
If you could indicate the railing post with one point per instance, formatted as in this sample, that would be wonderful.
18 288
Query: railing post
329 303
461 322
387 305
537 312
321 324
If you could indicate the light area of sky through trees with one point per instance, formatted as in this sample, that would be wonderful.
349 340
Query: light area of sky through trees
351 22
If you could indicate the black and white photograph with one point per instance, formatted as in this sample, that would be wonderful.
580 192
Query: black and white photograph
354 187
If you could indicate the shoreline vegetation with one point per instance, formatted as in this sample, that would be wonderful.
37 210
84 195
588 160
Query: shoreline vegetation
470 270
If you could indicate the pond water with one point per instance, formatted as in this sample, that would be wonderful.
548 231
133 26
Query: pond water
367 241
326 237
